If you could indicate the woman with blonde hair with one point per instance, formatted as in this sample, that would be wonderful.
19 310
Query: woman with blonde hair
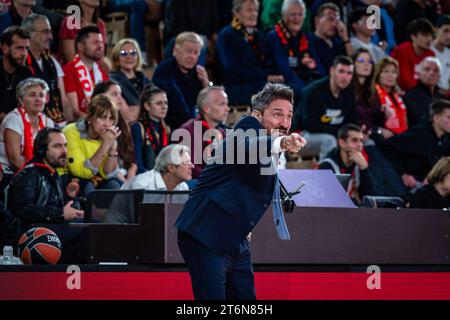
127 71
436 194
92 149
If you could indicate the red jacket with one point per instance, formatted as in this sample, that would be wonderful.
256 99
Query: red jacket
407 61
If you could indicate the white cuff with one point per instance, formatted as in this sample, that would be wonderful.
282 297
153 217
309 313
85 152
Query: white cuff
276 146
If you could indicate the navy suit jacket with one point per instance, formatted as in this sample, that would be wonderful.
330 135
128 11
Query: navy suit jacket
230 198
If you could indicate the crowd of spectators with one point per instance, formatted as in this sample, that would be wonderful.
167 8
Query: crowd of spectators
371 94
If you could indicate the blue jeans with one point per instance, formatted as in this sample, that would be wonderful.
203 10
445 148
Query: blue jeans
87 186
136 9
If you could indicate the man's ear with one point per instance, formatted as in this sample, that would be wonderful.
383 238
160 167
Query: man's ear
341 143
170 168
5 49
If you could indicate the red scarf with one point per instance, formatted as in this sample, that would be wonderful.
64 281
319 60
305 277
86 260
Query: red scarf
37 164
397 122
28 133
158 141
250 38
285 36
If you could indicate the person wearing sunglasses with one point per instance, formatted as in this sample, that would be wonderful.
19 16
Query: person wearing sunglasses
127 71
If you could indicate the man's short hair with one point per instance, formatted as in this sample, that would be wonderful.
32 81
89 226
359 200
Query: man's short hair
357 15
271 92
24 85
288 3
204 94
188 36
83 34
42 140
346 61
420 25
325 6
28 22
346 128
7 35
170 155
438 106
429 59
443 20
237 4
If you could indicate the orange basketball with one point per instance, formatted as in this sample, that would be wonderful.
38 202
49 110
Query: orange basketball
39 246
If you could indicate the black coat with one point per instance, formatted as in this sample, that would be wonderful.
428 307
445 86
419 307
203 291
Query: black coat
37 195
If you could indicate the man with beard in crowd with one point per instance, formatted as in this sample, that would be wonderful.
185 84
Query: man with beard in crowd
37 196
14 42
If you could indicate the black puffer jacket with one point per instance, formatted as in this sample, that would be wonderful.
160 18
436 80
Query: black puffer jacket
37 195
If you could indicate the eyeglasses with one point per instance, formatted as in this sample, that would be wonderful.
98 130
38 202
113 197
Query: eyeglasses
124 53
362 60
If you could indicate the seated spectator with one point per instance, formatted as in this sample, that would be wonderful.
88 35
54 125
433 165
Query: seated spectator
419 98
125 147
407 11
410 53
362 81
15 42
386 113
330 38
441 48
349 157
20 126
290 50
127 71
436 193
182 78
44 66
37 198
326 105
173 167
150 133
384 35
416 151
362 34
68 33
240 51
83 72
19 10
92 147
212 103
137 10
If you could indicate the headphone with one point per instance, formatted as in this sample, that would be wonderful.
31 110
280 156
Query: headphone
41 142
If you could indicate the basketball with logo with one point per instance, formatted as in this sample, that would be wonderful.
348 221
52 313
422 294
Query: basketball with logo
39 246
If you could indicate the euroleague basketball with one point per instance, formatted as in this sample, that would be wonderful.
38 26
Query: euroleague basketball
39 246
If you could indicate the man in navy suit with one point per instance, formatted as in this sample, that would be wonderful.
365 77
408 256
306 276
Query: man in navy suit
234 191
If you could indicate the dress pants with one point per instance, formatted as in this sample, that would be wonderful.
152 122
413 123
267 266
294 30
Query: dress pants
218 276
